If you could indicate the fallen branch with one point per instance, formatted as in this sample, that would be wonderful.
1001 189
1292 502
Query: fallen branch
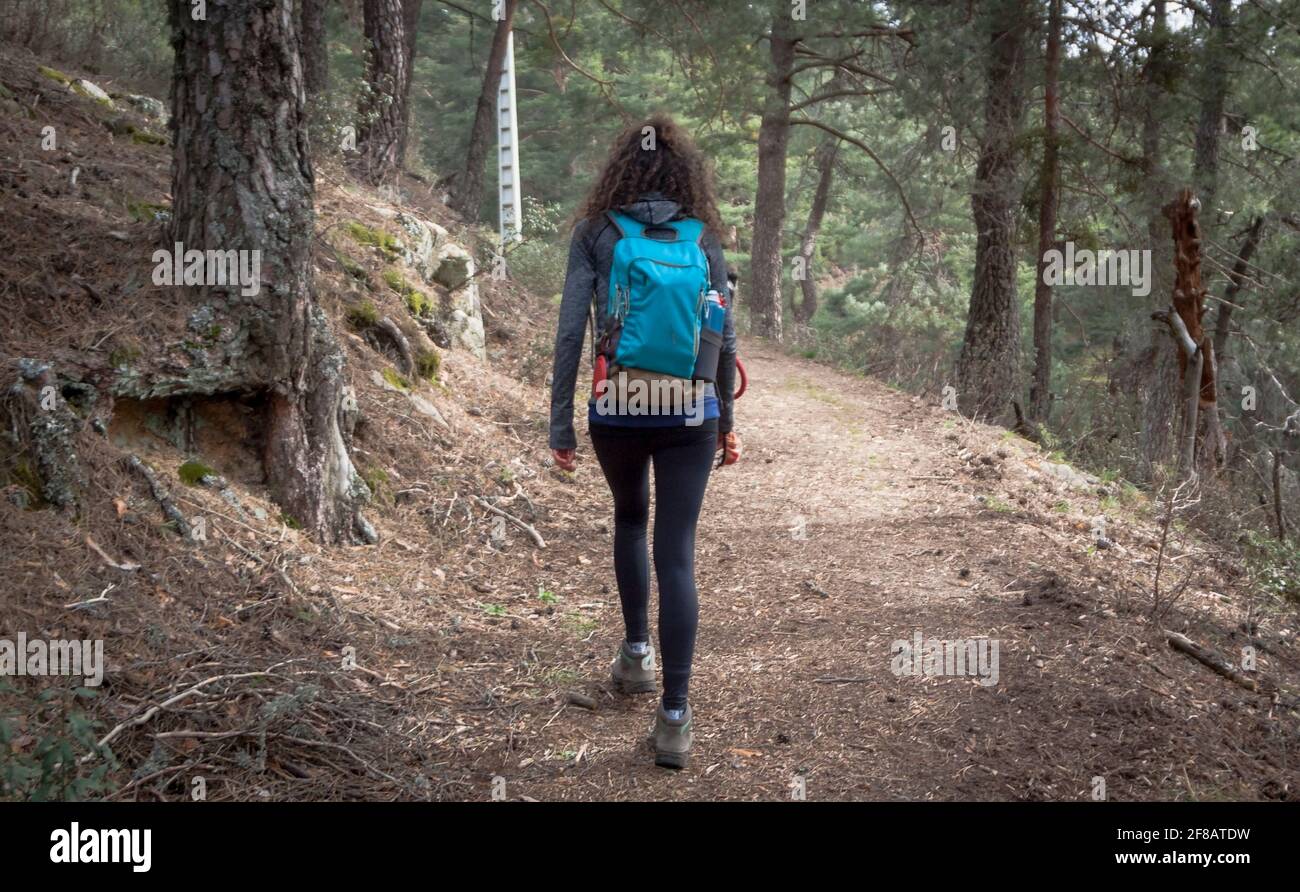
102 599
527 528
154 710
160 494
842 679
1213 659
125 567
582 700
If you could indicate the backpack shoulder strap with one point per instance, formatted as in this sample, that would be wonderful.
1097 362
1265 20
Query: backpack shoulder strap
688 229
628 227
692 230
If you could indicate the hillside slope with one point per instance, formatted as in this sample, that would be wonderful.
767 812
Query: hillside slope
459 650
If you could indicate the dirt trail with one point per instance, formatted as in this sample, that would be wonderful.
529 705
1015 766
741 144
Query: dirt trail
859 516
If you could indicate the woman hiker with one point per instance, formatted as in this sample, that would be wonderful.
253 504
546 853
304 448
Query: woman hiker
649 233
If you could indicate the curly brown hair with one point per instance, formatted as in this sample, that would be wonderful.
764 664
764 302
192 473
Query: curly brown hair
675 167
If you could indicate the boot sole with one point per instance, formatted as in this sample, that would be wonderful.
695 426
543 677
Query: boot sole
675 761
633 687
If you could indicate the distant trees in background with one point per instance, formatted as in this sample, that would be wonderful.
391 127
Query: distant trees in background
895 174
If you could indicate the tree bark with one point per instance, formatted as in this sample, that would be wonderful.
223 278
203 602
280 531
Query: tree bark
988 369
315 57
769 200
1214 93
1212 444
411 32
1157 382
1197 371
1040 397
468 195
382 120
242 181
824 162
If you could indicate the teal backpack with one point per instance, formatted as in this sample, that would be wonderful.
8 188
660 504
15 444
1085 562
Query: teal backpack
657 286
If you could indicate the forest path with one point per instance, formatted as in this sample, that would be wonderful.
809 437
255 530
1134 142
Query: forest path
856 517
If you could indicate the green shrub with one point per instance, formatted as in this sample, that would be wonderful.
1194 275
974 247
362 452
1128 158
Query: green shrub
427 364
363 315
49 769
1274 565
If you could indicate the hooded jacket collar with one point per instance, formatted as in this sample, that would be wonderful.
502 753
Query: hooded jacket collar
652 208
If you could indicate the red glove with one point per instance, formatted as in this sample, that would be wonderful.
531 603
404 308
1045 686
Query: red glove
729 443
566 459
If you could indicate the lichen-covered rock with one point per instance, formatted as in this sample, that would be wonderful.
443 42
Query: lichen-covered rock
1071 477
35 401
390 381
54 74
92 91
426 248
428 410
420 244
147 106
465 320
455 266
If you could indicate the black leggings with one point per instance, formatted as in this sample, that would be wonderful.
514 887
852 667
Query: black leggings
683 457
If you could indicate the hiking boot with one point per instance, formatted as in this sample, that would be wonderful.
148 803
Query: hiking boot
632 673
671 740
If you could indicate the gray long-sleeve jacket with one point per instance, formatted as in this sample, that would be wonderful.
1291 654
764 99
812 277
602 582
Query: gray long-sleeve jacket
591 254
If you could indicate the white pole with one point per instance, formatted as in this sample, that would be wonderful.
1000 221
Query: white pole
510 204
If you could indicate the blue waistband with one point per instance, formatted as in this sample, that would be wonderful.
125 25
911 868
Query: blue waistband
706 409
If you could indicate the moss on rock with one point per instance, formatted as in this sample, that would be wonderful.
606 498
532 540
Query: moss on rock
147 211
374 238
193 472
54 74
147 138
395 379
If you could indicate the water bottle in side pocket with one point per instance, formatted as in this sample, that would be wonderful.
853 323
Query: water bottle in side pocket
714 318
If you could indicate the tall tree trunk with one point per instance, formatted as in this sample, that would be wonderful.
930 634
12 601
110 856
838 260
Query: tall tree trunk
988 369
824 163
1240 268
1211 442
315 57
1214 93
1040 397
242 181
468 195
1157 391
1196 360
411 31
769 201
380 130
